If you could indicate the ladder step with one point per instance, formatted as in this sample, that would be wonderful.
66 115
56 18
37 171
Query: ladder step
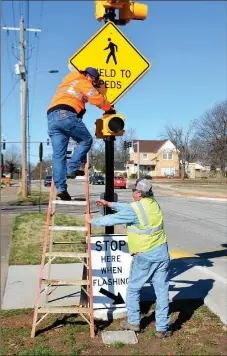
64 310
68 228
69 243
67 254
59 282
71 202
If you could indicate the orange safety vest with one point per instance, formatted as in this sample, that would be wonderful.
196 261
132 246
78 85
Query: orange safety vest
76 90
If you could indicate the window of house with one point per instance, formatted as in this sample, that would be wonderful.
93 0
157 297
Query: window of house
166 171
167 155
189 170
145 156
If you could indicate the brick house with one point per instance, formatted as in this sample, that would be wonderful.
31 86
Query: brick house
157 158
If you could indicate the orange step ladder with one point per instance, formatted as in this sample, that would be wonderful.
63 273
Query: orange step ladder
85 308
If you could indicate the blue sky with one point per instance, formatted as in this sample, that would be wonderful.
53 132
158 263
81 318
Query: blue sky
185 41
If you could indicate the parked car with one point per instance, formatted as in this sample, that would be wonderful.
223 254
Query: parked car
47 181
119 182
96 179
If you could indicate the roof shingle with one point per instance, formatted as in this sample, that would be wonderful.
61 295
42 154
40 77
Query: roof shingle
149 145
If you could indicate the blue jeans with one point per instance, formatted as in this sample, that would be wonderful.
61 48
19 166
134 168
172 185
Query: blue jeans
62 125
143 271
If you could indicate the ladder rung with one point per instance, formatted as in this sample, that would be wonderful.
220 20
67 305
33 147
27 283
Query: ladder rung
69 243
64 310
71 202
58 282
68 228
67 254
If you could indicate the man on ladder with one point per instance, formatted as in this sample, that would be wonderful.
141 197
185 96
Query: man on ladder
65 115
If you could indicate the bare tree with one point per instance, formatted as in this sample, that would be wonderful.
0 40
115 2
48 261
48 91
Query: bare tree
97 152
182 141
120 154
46 169
12 160
198 151
212 131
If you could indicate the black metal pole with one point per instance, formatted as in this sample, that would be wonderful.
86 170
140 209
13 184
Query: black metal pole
109 186
109 151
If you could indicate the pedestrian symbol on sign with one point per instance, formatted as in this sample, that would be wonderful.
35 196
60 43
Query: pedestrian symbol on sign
109 51
112 47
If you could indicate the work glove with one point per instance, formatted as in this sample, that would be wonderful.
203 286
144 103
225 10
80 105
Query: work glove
111 111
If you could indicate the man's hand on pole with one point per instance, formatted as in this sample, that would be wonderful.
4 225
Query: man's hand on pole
102 202
88 218
111 111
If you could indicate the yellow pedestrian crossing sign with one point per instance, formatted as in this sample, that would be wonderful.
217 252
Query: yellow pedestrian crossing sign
118 61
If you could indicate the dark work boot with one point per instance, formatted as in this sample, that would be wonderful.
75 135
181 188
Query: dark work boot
72 175
163 334
126 326
78 172
64 195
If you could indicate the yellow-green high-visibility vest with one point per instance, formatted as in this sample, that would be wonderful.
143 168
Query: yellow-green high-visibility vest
150 233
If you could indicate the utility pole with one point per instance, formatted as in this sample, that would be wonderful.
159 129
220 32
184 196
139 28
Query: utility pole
23 93
138 159
20 69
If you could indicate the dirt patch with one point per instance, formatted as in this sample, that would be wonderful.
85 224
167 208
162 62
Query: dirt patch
197 331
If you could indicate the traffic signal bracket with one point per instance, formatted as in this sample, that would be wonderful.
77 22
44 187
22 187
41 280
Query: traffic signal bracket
110 125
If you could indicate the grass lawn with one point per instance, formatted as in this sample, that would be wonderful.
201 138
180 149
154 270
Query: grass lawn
197 331
28 235
34 199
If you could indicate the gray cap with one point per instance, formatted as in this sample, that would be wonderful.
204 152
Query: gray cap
142 185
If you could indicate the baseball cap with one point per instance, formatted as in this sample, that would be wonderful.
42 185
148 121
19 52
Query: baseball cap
142 185
93 72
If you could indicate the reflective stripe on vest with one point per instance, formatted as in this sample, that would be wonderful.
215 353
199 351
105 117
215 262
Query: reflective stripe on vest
91 92
71 91
147 229
74 93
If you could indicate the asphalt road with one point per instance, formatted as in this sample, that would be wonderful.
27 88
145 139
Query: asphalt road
194 227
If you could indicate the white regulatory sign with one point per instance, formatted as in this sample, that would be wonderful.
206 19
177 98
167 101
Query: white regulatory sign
110 270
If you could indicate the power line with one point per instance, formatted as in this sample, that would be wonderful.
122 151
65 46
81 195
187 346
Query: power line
36 60
14 22
10 65
10 92
22 72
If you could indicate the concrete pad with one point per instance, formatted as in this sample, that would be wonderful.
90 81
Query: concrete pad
126 337
22 282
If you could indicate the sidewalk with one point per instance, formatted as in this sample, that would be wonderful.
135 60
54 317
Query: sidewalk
189 279
7 222
9 193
